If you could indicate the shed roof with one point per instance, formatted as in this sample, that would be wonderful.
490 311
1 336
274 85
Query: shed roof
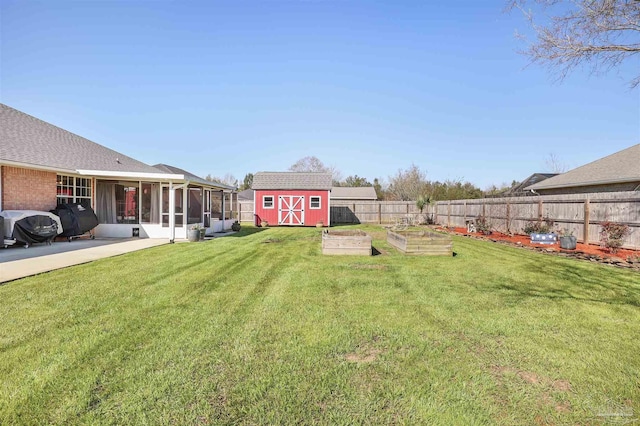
26 140
622 166
292 180
190 176
353 193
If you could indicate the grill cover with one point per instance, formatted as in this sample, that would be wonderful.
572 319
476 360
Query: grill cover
35 229
76 219
30 226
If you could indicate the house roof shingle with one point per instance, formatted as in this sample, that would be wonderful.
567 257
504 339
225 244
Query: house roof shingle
27 140
292 180
165 168
622 166
521 187
353 193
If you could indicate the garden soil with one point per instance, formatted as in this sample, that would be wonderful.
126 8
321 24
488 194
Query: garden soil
524 240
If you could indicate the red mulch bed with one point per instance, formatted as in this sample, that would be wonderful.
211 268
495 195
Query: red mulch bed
524 240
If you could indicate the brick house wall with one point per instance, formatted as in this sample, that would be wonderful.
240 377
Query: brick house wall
26 189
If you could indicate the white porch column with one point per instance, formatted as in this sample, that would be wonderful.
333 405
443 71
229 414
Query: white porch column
172 212
223 210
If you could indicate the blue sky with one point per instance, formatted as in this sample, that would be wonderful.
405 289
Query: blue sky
368 87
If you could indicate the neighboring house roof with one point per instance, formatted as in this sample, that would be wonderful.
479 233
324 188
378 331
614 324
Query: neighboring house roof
623 166
29 141
353 193
165 168
291 180
246 195
534 178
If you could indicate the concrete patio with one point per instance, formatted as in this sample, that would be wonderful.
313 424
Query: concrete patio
19 262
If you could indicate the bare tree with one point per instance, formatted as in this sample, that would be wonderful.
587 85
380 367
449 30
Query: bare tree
554 165
313 164
407 184
227 179
600 34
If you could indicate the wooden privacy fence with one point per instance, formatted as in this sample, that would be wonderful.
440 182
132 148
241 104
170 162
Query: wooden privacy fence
580 213
245 211
354 212
372 211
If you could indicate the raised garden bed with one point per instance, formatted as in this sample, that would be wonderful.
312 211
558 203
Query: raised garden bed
352 242
421 242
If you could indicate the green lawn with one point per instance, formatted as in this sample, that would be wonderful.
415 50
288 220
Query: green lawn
260 328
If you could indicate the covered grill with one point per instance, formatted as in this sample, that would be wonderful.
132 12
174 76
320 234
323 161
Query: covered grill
30 226
76 220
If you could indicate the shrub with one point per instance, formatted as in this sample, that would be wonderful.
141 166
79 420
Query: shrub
483 225
539 226
612 235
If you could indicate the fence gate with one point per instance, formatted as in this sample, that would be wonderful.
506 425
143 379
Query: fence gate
290 210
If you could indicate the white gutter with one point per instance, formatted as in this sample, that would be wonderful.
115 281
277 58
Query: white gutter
137 175
36 167
541 185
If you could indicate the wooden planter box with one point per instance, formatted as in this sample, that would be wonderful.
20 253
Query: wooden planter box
354 242
421 242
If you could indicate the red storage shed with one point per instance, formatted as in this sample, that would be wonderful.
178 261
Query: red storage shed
292 198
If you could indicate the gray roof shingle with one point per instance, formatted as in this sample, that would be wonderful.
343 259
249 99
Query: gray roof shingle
353 193
28 140
622 166
292 180
165 168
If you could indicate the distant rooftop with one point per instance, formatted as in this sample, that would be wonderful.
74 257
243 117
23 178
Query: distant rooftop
353 193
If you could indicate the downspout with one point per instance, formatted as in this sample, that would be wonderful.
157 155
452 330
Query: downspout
1 230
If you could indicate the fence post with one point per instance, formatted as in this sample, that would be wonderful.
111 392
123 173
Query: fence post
449 214
508 217
465 212
540 209
435 213
379 213
586 221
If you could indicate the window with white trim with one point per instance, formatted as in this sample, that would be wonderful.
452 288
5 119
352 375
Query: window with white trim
267 201
71 189
314 203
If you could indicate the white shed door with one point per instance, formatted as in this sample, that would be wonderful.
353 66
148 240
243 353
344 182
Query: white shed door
291 210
